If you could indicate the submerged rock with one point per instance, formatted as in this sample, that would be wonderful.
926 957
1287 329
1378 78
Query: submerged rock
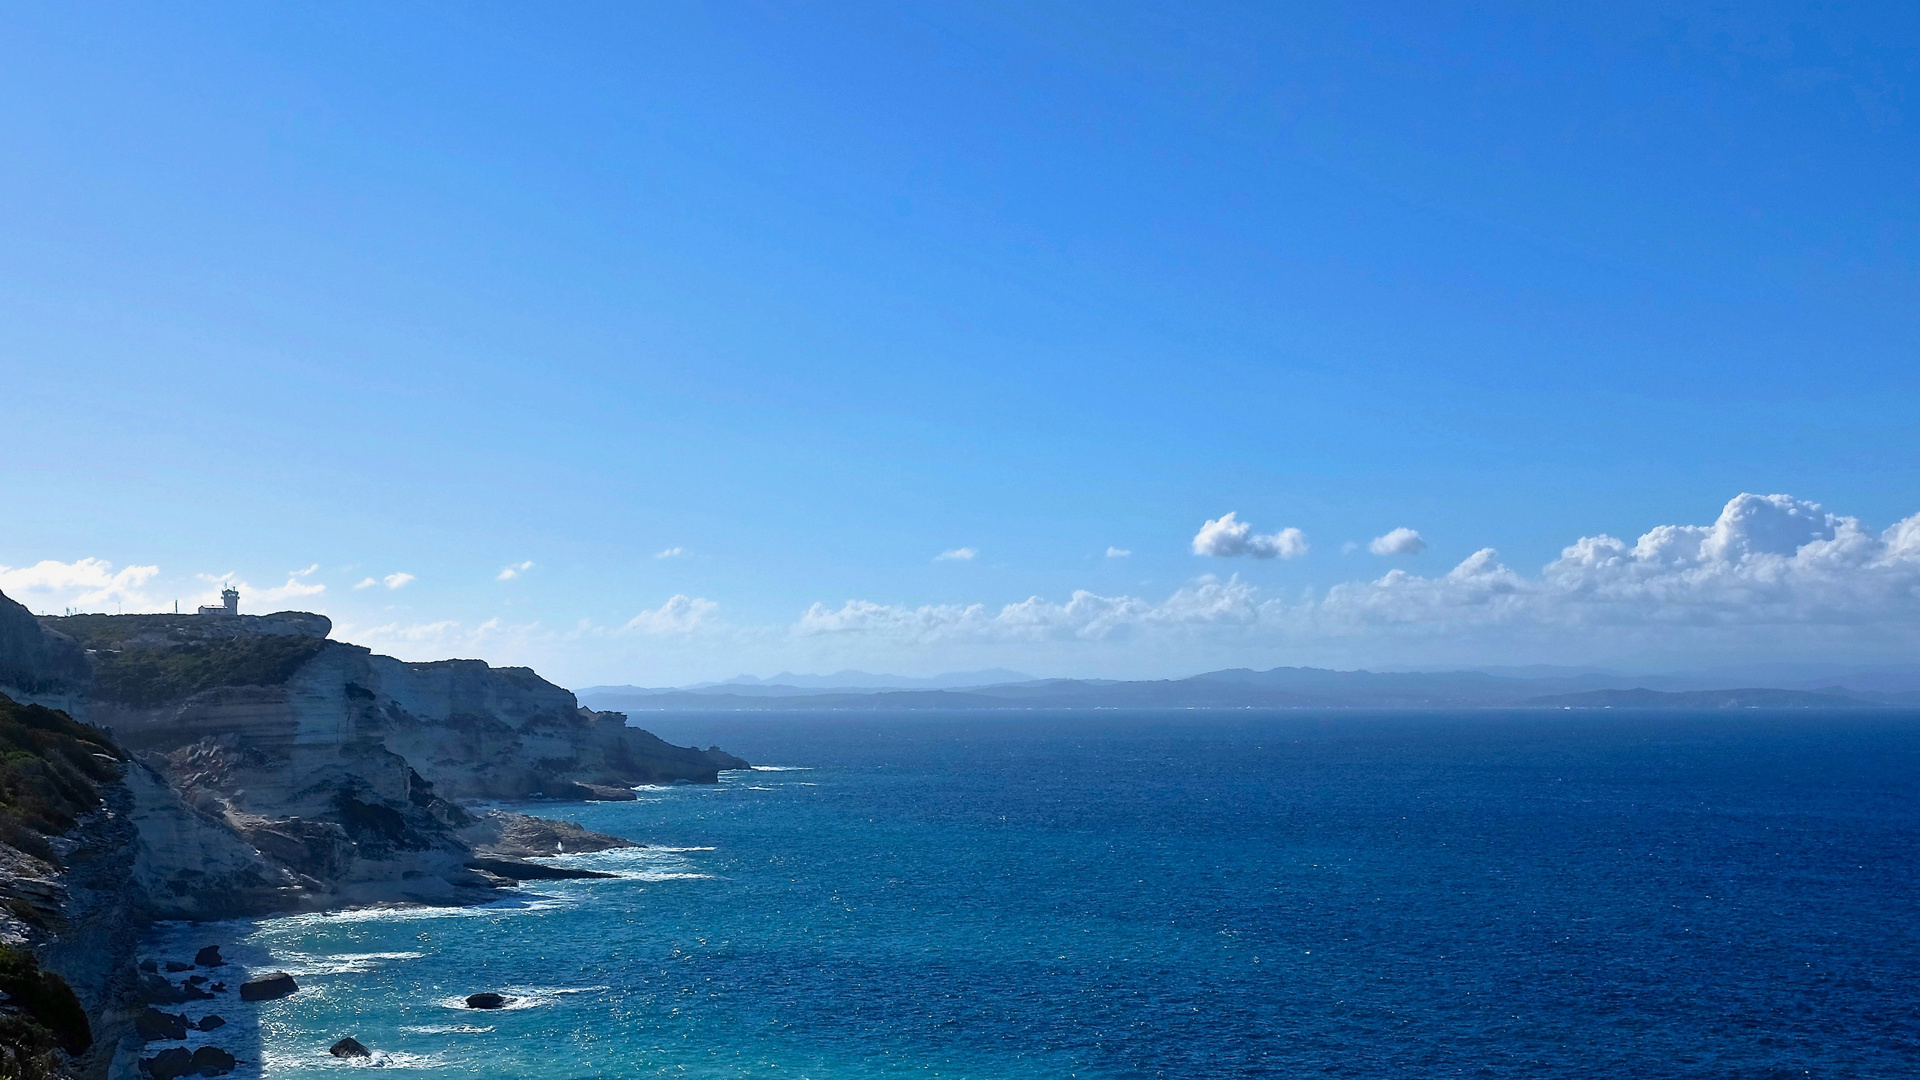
349 1047
485 1000
152 1024
267 987
208 957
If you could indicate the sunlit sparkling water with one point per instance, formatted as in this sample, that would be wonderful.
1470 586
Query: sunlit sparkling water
1172 895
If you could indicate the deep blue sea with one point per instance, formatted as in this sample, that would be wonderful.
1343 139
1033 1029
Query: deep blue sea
1177 894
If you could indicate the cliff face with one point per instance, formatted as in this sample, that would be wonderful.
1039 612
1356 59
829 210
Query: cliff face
245 765
38 667
341 767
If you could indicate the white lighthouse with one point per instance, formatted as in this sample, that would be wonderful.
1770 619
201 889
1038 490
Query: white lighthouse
229 603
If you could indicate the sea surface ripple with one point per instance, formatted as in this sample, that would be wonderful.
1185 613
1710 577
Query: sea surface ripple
1176 894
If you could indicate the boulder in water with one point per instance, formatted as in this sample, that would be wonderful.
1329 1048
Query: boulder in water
168 1064
175 965
212 1061
153 1024
485 1000
349 1047
211 1021
208 957
267 987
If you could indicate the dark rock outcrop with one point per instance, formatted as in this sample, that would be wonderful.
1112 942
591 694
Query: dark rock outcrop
152 1024
208 957
349 1047
38 666
514 870
168 1064
211 1021
206 1061
504 834
486 1000
268 987
212 1061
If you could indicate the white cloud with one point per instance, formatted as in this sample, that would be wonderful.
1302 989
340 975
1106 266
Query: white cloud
1118 553
681 614
253 598
510 572
671 553
1085 615
308 572
366 583
1226 536
1773 575
963 554
395 581
1401 541
83 583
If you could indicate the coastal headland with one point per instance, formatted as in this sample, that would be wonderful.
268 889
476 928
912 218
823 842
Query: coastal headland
204 767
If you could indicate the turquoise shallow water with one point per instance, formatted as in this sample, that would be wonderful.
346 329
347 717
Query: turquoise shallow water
1175 895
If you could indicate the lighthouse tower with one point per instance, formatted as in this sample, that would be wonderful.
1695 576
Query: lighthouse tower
229 603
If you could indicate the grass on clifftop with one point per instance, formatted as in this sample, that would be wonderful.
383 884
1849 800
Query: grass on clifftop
145 675
47 774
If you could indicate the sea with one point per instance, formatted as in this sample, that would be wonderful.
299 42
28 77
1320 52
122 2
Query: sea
1161 894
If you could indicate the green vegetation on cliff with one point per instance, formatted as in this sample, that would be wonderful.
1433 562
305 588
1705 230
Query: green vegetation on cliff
48 769
40 1017
146 660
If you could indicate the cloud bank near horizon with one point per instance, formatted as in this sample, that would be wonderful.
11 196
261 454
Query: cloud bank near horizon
1771 577
1769 568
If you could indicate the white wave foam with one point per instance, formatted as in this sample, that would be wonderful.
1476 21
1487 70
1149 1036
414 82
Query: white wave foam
378 1059
783 768
525 904
447 1029
344 964
522 997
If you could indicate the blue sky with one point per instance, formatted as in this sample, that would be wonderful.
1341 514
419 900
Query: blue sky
811 294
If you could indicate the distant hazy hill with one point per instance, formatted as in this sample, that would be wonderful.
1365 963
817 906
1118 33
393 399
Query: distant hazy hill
1750 698
1278 688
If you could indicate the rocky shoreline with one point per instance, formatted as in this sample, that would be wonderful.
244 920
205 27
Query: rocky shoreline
241 766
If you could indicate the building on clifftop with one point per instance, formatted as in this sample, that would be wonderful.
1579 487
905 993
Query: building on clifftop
229 603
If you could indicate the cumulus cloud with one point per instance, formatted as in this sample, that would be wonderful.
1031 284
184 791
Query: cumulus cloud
365 583
83 583
508 573
395 581
671 553
308 572
1226 536
962 554
1773 575
255 598
1402 541
1118 553
1085 615
681 614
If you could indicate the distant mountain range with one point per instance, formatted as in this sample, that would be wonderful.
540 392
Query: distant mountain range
1245 688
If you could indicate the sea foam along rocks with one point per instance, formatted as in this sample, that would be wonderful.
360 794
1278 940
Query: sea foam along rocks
267 987
349 1047
485 1000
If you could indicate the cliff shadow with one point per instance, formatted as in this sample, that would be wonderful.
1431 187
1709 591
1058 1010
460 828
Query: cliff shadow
193 1017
